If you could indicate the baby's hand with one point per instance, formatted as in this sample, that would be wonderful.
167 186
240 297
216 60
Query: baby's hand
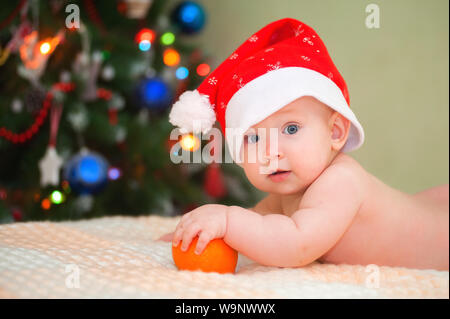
208 220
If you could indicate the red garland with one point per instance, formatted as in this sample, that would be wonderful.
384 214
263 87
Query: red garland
104 94
34 128
94 16
12 15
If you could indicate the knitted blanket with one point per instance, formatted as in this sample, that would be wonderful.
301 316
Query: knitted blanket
119 257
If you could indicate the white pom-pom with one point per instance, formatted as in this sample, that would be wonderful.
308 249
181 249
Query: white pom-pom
193 113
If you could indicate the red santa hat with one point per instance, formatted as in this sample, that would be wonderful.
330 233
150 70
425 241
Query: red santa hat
280 63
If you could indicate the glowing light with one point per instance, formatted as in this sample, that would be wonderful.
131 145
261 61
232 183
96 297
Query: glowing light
144 45
114 173
32 59
181 73
45 48
57 197
46 204
168 38
190 142
145 35
171 57
203 69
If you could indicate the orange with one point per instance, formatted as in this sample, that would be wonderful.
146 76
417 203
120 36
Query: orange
216 257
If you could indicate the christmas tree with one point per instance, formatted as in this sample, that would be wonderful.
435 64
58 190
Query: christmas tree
86 88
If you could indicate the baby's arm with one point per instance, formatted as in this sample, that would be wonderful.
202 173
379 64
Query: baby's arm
326 211
268 205
263 207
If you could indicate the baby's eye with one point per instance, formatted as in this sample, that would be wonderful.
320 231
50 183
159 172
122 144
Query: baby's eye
251 138
291 129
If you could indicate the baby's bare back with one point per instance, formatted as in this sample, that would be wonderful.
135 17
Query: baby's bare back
393 228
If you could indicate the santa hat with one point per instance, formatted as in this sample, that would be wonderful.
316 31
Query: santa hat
280 63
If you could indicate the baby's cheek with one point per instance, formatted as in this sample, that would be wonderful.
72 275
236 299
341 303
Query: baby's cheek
258 180
251 171
309 165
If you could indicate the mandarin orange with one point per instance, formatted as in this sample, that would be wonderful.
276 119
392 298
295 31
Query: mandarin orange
216 257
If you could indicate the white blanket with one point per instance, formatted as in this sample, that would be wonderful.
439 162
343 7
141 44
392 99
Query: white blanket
118 257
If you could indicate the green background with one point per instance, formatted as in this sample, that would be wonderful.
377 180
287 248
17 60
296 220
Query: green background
397 75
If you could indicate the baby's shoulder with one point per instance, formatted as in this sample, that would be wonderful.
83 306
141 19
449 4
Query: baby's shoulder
341 184
347 170
345 163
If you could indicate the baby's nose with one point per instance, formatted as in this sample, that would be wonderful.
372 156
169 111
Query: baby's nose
278 155
273 150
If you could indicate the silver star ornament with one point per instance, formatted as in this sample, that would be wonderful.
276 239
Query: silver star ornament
49 166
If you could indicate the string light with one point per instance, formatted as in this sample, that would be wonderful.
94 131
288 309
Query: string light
49 45
145 35
144 45
57 197
144 38
45 47
190 142
114 173
168 38
171 57
181 73
203 69
46 204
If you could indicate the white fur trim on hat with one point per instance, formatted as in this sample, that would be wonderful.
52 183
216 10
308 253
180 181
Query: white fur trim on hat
272 91
193 113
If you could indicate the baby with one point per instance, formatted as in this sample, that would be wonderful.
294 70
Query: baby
322 205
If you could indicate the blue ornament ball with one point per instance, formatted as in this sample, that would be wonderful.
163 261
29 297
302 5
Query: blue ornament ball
189 16
87 173
154 93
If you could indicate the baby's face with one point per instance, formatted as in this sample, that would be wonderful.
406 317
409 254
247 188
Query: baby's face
304 132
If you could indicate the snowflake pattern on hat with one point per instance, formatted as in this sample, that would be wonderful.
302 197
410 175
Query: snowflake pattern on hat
212 81
275 66
299 30
305 58
307 40
253 38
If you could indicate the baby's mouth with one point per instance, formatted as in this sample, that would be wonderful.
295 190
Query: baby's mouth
278 172
279 176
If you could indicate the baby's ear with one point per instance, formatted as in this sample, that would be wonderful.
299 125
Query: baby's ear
339 127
